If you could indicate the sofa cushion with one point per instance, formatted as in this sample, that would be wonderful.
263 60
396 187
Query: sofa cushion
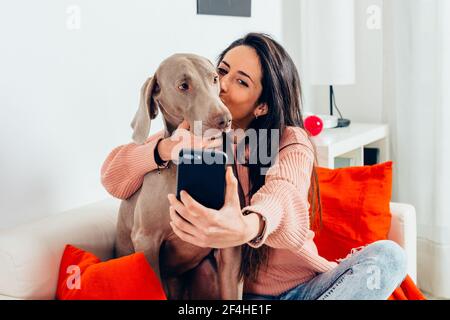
82 276
355 208
36 248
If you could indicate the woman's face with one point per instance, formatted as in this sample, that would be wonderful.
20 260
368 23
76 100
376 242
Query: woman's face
240 77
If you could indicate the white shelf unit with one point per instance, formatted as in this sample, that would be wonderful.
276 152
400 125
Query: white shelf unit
349 143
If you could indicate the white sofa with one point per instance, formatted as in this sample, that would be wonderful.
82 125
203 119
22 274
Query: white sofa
30 254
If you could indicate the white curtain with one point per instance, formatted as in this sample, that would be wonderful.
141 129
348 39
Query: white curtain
416 47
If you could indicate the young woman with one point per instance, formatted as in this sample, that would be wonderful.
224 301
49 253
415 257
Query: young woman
261 87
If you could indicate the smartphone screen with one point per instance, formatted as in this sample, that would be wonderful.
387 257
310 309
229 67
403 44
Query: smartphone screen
201 173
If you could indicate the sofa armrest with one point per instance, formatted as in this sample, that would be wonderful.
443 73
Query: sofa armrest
30 254
403 231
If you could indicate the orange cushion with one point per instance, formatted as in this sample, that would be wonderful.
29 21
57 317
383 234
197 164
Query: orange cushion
355 208
355 212
125 278
407 291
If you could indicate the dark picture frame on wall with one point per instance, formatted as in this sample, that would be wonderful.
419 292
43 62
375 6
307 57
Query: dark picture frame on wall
235 8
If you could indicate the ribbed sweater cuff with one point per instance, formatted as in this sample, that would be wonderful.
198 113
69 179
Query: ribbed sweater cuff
143 158
126 171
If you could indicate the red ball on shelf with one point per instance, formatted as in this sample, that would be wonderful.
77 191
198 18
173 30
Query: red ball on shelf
313 124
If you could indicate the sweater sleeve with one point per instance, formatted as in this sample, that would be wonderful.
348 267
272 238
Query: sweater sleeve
283 201
123 171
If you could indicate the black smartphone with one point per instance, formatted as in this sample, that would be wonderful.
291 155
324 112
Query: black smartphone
201 173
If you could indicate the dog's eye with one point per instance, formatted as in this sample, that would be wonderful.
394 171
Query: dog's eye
184 86
215 79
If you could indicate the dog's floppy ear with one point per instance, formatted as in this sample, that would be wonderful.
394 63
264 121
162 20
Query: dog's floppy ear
147 111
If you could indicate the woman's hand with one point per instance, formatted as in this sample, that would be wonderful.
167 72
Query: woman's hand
170 147
209 228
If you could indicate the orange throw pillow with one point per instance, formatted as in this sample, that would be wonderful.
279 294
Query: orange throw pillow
355 208
82 276
356 212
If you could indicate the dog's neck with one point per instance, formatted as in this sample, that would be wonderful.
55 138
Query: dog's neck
169 127
171 121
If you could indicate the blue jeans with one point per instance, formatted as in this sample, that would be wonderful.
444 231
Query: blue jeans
372 273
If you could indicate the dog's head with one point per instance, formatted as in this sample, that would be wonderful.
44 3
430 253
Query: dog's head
185 86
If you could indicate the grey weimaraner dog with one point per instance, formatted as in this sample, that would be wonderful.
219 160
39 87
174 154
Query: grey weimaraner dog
185 86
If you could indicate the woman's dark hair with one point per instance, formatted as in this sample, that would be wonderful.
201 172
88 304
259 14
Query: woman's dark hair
281 91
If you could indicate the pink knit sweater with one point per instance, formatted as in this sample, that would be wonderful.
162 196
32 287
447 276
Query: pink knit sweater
282 200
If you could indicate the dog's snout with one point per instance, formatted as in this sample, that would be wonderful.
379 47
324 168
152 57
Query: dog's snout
222 121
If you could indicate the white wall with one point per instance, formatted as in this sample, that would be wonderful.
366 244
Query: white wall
67 97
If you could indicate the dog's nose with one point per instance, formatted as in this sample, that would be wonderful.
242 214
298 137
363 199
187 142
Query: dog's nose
222 121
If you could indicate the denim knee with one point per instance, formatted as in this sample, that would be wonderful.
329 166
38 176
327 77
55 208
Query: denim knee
392 258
